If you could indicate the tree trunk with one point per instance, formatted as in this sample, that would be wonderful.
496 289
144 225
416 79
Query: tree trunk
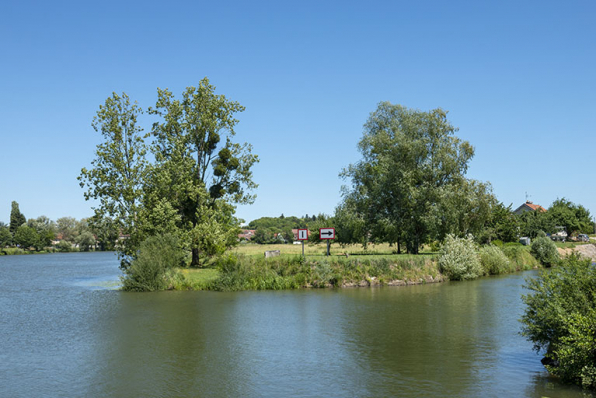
195 258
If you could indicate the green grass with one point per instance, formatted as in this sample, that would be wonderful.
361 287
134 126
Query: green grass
320 250
197 279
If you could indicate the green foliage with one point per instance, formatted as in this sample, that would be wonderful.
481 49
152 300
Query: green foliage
575 218
520 257
560 319
64 246
502 225
27 237
45 228
119 168
532 222
154 268
277 223
16 218
494 261
85 241
545 251
5 236
199 173
250 273
411 178
459 258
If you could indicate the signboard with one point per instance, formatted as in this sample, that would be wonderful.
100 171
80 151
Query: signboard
302 234
327 233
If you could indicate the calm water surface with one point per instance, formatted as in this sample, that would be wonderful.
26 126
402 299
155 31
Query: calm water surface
64 333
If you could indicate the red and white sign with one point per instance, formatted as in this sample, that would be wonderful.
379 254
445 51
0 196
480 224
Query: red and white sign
327 233
303 234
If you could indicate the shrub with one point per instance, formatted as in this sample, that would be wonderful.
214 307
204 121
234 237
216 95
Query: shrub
498 243
459 259
154 267
545 251
560 319
494 261
64 246
520 257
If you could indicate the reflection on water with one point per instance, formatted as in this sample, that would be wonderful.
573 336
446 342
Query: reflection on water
65 336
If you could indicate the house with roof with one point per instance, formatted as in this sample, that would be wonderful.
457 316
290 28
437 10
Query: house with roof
528 206
247 234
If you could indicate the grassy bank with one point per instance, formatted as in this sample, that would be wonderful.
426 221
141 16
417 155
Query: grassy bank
246 268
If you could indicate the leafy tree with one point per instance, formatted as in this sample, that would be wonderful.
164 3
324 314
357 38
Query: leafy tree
86 241
16 218
199 170
105 232
65 227
544 250
503 224
560 319
5 236
27 237
411 164
532 222
119 168
45 228
575 218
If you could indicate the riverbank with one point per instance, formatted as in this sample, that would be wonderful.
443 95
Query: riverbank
241 272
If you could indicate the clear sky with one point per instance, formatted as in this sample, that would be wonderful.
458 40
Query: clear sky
517 77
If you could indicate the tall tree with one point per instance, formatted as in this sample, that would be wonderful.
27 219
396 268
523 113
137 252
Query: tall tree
575 218
119 168
16 218
411 161
200 171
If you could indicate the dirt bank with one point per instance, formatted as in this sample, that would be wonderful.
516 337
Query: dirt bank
588 251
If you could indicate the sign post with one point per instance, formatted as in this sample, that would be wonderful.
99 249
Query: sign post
327 234
303 235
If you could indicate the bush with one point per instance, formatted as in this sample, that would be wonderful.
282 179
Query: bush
64 246
498 243
154 267
459 259
520 257
545 251
560 319
494 261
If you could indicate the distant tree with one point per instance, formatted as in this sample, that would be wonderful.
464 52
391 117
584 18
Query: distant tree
503 225
16 218
532 222
106 233
86 241
27 237
66 228
45 228
575 218
5 236
412 171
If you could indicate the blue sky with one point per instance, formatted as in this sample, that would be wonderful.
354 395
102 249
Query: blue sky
518 79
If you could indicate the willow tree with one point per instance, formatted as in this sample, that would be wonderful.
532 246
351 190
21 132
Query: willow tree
200 172
411 163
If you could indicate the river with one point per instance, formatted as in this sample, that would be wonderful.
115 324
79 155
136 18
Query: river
65 332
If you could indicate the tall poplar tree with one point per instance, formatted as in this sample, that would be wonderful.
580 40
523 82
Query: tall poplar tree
118 171
16 218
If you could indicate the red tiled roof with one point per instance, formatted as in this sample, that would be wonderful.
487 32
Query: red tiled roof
535 207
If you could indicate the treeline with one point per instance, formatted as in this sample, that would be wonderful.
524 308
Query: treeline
271 230
65 234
